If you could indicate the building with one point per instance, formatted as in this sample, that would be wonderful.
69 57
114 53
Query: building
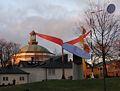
32 51
13 75
40 63
113 69
34 71
46 70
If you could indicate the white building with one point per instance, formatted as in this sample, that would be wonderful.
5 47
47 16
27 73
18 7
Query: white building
13 75
50 69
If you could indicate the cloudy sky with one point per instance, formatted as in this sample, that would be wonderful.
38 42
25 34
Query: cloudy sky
54 17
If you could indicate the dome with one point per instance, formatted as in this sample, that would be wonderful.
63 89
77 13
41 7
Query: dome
32 51
34 48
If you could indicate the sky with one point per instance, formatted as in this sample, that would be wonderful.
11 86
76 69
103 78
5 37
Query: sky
54 17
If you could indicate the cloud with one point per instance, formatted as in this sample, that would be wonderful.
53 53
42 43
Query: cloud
60 28
54 17
19 31
18 18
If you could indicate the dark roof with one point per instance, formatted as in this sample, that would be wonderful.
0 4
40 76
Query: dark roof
11 70
30 64
55 62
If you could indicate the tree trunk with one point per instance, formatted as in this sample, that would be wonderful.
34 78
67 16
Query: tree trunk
104 66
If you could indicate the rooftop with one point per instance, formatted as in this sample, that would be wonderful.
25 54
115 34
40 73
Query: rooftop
34 48
11 70
55 62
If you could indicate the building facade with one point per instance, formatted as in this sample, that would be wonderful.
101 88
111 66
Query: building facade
12 76
47 70
113 69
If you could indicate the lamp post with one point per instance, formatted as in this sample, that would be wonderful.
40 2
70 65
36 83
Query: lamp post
63 70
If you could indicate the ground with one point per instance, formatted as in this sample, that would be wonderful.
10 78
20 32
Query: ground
112 84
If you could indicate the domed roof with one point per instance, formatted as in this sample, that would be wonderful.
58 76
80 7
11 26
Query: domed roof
34 48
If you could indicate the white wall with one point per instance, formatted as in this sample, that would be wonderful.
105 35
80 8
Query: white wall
68 73
11 77
36 74
77 71
39 74
58 74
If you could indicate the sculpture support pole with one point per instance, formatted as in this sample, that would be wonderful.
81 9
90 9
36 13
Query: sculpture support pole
63 71
84 68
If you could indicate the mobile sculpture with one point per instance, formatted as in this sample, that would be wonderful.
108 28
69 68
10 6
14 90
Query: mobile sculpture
83 53
69 46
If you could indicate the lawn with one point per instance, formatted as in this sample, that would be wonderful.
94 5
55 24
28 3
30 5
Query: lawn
112 84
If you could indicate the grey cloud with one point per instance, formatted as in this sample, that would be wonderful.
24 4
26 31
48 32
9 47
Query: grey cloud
21 17
56 27
62 28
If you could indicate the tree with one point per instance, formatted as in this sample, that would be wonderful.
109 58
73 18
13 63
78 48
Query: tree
11 49
2 45
7 50
104 32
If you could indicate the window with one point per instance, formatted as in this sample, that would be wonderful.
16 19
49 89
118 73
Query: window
51 71
5 78
21 78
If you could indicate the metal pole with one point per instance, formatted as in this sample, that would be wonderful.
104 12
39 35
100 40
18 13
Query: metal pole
46 73
63 70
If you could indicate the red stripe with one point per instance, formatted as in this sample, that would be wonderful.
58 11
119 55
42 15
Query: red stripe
79 39
50 38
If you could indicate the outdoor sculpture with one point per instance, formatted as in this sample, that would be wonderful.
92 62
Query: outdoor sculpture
71 48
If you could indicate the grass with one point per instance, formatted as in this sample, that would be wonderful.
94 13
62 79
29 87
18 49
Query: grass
112 84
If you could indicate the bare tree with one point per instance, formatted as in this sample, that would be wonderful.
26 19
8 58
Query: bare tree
7 50
14 49
104 32
2 47
11 49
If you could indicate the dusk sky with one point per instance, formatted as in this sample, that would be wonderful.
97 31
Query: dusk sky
54 17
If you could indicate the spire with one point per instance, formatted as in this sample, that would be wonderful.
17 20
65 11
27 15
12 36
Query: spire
32 40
